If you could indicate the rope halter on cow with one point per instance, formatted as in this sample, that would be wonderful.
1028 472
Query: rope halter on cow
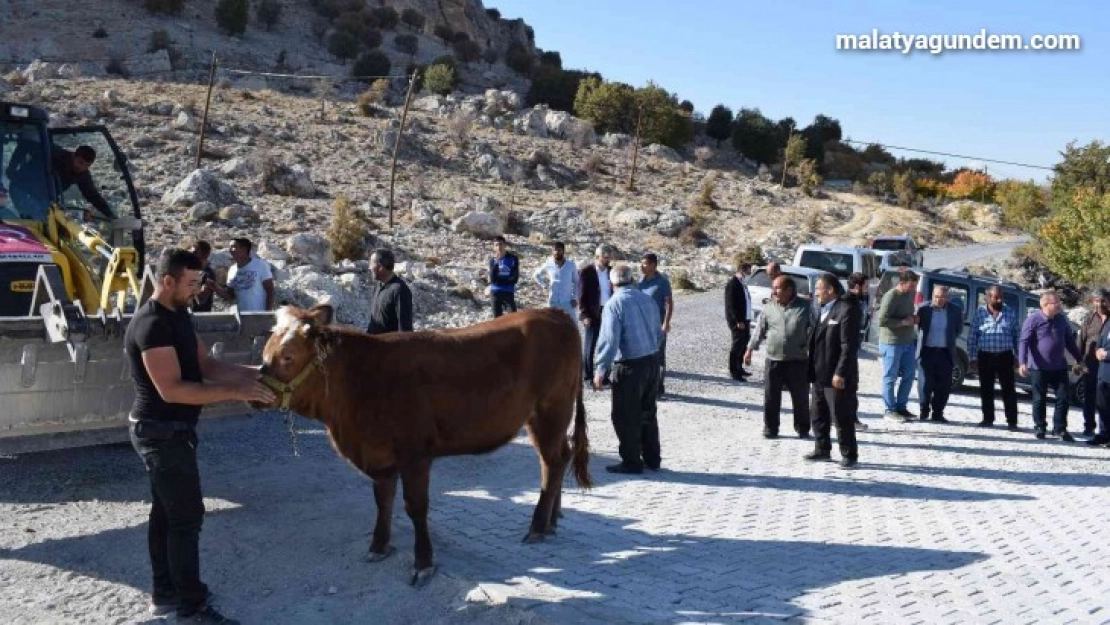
285 390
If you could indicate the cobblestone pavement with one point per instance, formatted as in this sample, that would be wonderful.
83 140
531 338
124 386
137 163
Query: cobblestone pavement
941 523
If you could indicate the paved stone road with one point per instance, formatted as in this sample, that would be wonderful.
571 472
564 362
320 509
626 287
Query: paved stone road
940 524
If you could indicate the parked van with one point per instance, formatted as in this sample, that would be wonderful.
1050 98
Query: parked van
841 261
969 291
902 243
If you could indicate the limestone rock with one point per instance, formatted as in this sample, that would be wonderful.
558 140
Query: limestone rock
201 186
481 225
312 249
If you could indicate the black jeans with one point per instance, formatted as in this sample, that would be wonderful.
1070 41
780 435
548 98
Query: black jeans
590 334
635 387
838 406
1041 382
1102 389
935 381
1090 395
176 515
662 356
503 303
791 374
1000 366
740 340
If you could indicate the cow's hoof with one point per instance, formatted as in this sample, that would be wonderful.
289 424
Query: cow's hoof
533 538
378 556
421 577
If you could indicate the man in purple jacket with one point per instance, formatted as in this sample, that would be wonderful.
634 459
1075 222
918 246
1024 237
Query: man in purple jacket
1045 336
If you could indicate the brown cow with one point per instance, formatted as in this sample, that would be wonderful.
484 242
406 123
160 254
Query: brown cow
394 402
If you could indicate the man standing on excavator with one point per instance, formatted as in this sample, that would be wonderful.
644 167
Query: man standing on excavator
73 168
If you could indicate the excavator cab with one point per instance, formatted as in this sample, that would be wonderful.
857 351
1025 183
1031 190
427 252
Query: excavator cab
70 280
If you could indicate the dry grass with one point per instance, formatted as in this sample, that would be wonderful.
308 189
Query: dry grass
347 232
459 129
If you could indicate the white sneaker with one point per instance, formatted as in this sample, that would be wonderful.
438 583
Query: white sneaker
894 417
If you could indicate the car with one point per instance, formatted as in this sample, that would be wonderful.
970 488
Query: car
805 278
903 243
969 291
841 261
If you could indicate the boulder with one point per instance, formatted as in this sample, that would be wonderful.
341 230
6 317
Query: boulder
532 122
151 63
202 211
271 252
238 212
490 166
292 181
481 225
239 167
616 140
165 109
110 98
310 249
307 286
661 151
428 103
186 122
424 214
672 223
558 123
562 222
635 218
201 186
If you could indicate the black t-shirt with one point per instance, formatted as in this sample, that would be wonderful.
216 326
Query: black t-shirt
154 326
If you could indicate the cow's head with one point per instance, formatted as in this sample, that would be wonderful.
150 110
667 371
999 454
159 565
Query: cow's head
294 350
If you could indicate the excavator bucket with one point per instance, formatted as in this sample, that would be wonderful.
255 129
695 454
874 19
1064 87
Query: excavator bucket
65 380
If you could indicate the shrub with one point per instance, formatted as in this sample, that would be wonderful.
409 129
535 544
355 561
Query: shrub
518 59
439 78
719 124
376 94
705 195
164 7
459 127
373 64
966 214
159 40
493 14
1023 203
752 254
353 23
100 33
592 164
413 18
346 232
681 281
972 184
808 178
467 50
879 182
343 45
115 67
386 17
444 32
232 16
268 13
407 43
372 39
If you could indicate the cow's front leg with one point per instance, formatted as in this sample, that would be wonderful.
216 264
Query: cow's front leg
385 489
415 476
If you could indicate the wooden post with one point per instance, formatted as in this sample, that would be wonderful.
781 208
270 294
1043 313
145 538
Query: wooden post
635 149
397 145
785 162
207 103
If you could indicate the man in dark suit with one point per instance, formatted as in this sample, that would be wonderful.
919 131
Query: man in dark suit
738 313
594 290
939 324
834 372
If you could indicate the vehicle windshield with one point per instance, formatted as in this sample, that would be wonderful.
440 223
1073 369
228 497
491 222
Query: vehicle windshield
888 245
760 279
24 188
802 282
838 264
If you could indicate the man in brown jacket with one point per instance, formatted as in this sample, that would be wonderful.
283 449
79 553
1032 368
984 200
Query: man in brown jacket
1094 326
594 290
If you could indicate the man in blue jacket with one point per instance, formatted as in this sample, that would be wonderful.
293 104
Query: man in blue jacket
939 324
504 271
1102 388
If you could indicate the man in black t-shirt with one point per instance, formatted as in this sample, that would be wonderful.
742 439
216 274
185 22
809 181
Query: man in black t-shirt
391 300
174 378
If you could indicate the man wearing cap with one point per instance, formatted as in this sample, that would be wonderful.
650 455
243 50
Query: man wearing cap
1094 327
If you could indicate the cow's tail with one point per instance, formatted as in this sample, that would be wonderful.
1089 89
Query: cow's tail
580 443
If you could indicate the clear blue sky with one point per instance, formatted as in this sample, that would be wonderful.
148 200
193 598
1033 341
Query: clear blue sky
780 57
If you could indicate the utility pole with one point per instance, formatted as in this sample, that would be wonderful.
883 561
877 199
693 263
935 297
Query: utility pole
635 148
207 103
397 145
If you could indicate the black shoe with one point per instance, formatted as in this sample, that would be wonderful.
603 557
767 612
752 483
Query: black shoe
1099 440
905 413
651 467
623 468
938 419
861 426
1088 431
848 463
163 605
803 435
817 456
207 614
1013 427
770 434
1038 432
924 415
986 424
1064 436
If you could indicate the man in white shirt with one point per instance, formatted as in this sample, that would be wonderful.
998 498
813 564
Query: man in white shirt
249 281
560 279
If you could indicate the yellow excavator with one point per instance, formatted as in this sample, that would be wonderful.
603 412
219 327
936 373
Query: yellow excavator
70 280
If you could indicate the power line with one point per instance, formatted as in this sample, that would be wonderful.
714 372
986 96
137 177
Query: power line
974 158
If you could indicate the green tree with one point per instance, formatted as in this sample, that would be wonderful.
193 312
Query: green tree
444 33
268 13
662 118
467 50
1023 203
232 16
413 18
719 124
343 45
439 78
795 151
1083 167
165 7
904 184
371 65
808 178
1074 238
556 87
386 17
609 106
518 59
754 136
876 153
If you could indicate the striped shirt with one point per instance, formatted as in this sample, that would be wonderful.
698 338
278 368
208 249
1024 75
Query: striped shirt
630 328
991 334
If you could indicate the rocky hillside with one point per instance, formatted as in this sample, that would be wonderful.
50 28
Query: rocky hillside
93 34
470 167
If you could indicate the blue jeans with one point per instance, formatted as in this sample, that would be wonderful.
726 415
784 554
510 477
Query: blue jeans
899 361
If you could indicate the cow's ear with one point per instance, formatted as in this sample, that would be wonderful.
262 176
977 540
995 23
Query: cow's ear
321 315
